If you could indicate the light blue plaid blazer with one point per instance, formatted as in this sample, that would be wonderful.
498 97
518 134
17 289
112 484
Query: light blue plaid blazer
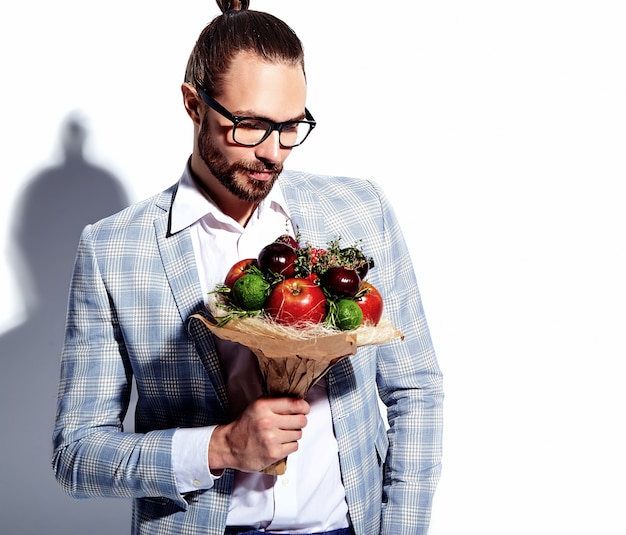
134 287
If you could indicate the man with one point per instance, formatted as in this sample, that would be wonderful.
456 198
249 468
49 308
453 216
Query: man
203 432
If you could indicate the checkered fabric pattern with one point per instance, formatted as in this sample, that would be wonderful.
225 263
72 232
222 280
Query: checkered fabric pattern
134 287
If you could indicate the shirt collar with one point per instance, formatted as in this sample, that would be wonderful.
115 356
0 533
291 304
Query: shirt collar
191 205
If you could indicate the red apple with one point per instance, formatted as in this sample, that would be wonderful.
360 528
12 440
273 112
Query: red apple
296 300
237 270
371 302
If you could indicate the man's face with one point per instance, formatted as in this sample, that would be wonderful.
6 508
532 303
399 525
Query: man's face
255 88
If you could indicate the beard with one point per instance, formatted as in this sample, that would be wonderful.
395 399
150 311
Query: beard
233 175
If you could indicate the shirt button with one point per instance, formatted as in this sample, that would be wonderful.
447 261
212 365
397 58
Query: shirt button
285 481
197 482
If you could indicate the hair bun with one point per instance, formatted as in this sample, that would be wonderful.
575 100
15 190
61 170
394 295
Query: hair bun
233 5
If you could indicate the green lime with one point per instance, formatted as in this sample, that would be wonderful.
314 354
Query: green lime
250 291
348 314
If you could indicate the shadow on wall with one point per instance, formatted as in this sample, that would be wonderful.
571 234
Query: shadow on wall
53 210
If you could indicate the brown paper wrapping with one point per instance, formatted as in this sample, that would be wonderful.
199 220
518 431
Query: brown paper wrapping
292 360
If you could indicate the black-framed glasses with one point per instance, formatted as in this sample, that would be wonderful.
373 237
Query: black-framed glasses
252 131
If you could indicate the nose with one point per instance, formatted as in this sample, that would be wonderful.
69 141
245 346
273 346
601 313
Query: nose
270 150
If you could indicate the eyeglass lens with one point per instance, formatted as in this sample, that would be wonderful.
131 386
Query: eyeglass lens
253 131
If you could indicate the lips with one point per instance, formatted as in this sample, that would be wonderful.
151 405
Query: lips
261 175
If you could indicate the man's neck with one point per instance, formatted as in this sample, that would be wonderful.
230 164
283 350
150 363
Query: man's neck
237 209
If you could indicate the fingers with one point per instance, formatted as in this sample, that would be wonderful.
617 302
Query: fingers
285 405
266 431
284 413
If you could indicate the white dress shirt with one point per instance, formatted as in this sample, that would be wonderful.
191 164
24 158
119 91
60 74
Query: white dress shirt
310 496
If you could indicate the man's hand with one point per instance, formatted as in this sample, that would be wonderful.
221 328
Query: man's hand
267 431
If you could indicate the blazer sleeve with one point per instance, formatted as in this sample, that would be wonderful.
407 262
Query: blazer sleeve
92 455
410 385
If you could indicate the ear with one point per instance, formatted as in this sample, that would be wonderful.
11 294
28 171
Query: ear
192 102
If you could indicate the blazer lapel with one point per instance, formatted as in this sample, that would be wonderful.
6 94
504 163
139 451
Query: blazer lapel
179 265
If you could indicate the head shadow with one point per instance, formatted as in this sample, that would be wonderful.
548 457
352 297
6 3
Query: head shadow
53 209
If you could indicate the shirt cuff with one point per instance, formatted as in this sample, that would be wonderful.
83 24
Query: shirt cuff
190 459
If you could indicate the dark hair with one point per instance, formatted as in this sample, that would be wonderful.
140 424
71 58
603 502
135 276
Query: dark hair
236 30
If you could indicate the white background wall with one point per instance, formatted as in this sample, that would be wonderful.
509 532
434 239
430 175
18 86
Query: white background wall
498 130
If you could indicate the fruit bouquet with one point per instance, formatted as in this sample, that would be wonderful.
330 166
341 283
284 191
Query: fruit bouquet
300 309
